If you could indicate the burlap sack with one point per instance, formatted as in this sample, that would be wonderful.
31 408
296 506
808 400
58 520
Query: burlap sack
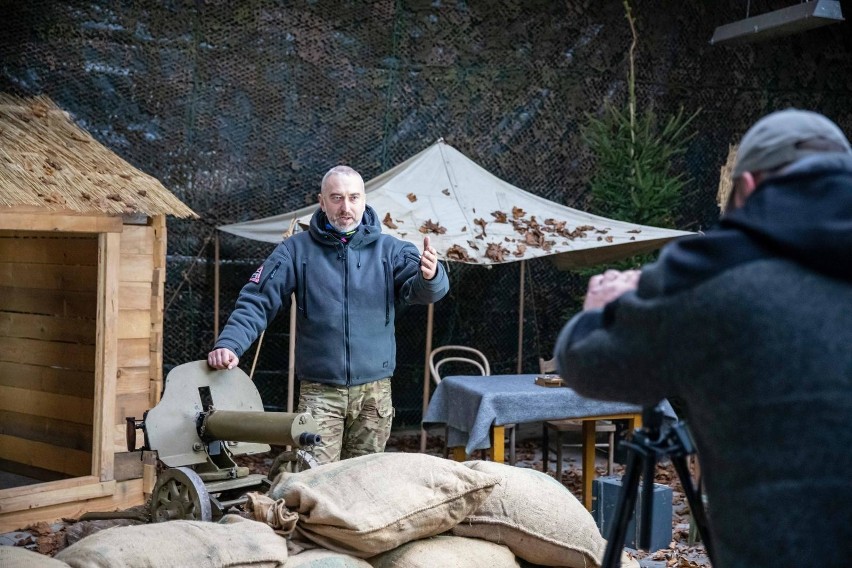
180 543
18 557
321 558
370 504
536 517
447 551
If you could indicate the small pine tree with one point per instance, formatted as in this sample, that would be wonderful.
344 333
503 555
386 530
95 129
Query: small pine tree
634 180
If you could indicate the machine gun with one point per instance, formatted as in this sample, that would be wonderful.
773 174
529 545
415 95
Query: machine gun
205 418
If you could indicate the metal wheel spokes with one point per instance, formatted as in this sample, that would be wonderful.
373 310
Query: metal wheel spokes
180 495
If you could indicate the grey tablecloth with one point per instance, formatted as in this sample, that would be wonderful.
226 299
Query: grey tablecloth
470 405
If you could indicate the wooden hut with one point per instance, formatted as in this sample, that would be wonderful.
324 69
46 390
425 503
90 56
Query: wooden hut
82 269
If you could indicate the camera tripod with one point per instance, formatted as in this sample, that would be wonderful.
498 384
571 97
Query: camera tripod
658 437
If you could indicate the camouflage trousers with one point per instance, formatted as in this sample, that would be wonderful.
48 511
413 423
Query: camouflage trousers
353 421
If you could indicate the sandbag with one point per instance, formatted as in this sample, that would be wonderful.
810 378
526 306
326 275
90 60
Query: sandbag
19 557
445 550
321 558
537 518
370 504
180 543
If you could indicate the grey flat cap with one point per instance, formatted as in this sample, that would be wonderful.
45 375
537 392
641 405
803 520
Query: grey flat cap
776 139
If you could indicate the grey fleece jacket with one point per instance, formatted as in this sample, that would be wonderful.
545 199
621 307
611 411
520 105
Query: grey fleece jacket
750 328
345 297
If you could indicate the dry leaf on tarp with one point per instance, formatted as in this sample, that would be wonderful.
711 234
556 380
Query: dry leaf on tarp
481 222
430 227
458 253
388 222
496 252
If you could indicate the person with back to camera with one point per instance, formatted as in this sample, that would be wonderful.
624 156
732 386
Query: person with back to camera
347 277
750 327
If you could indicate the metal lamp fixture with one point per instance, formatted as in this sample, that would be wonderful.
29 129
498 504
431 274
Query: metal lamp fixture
794 19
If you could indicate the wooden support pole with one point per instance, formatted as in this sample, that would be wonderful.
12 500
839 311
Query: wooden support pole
430 316
521 320
216 288
291 356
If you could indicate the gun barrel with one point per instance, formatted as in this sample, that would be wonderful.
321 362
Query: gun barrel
280 428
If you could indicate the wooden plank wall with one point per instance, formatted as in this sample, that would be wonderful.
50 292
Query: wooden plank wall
140 324
48 301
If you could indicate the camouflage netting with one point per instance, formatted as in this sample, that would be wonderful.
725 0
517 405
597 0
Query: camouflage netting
240 107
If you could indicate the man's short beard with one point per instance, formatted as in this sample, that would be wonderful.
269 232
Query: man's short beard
350 227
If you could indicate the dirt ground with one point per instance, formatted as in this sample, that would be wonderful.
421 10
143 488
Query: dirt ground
50 539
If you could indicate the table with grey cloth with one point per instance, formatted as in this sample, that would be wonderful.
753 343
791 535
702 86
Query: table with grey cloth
471 405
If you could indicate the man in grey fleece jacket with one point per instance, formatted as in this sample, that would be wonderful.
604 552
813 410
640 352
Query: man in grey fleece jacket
750 328
347 277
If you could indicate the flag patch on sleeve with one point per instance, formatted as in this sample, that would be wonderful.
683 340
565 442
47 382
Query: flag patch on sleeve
256 276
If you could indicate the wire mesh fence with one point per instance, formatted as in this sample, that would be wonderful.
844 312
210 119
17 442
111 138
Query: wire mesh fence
239 109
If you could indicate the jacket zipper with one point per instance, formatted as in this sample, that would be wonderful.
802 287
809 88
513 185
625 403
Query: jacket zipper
346 346
268 278
387 291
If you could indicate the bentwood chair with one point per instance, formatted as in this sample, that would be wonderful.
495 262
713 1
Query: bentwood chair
560 427
461 355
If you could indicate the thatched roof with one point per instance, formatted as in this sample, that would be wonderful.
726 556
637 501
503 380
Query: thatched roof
48 161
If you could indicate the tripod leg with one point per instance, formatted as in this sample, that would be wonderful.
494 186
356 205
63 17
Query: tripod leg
694 500
650 467
624 509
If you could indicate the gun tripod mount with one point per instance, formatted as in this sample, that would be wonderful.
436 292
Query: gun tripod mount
658 437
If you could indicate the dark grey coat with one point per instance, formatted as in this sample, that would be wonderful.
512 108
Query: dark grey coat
750 328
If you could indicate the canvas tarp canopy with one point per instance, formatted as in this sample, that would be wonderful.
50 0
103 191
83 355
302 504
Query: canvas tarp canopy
472 216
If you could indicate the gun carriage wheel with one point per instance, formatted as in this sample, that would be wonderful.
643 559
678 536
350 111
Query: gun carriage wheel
180 495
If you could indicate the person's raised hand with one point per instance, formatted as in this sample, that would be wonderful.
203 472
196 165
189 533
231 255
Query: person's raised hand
606 287
222 359
428 260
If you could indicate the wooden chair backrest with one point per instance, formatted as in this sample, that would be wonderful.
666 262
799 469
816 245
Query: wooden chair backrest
472 356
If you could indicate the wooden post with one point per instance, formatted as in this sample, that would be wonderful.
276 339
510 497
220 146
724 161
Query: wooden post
291 357
216 288
430 316
521 320
106 356
158 291
256 353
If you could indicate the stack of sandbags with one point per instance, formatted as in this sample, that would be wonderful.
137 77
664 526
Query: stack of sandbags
385 508
394 510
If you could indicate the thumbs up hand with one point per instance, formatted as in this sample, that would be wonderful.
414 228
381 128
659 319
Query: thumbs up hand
428 260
